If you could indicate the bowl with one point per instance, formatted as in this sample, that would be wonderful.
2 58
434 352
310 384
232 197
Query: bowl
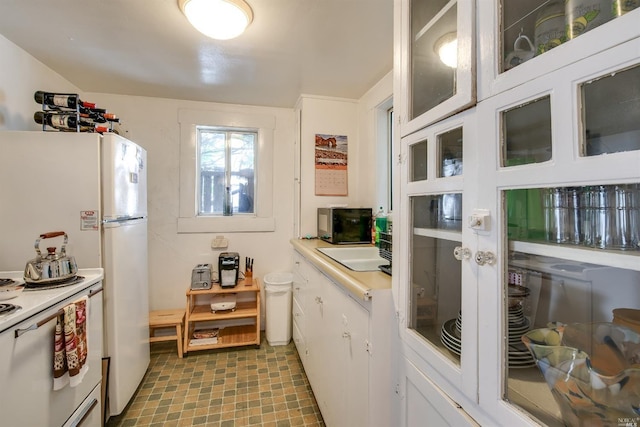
628 317
592 370
10 291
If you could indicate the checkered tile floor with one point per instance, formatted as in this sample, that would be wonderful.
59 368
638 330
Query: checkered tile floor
244 386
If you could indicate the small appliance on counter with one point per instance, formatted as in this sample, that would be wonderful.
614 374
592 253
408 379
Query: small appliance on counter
222 302
201 277
345 225
228 268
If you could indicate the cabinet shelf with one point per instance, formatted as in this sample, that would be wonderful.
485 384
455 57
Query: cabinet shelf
202 313
453 236
620 259
230 336
436 19
199 310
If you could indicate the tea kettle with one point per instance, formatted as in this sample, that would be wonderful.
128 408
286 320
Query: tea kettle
54 267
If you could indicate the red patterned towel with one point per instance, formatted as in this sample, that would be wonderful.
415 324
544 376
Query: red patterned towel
70 352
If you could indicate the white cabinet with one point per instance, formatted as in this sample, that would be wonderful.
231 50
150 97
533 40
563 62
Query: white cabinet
435 54
298 315
440 290
346 336
428 402
548 200
502 27
335 331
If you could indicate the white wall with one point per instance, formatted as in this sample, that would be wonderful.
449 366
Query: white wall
357 120
20 76
328 116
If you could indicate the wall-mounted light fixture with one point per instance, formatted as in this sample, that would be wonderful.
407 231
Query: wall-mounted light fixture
218 19
447 49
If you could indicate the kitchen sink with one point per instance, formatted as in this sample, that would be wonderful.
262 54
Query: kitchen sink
365 258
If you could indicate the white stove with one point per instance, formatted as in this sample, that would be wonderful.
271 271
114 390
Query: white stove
27 343
32 301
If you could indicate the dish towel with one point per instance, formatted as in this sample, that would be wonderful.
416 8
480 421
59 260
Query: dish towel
70 345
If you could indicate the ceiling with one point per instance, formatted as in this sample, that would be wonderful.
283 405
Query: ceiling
337 48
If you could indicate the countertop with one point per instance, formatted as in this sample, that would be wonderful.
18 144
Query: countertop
362 284
35 301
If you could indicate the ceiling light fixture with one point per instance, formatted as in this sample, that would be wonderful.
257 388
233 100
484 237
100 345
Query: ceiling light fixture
218 19
447 49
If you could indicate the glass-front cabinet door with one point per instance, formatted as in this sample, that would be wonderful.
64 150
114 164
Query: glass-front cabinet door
520 39
564 179
436 296
438 74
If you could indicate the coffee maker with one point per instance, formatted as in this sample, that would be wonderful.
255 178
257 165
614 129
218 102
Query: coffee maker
228 269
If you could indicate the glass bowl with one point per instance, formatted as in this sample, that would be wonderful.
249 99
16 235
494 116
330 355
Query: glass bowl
629 317
592 369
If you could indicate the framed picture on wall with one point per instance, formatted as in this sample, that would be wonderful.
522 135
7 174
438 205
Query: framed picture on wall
331 165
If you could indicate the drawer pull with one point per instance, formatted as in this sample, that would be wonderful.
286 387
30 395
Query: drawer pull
85 413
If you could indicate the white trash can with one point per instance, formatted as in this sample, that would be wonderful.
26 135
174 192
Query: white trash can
277 287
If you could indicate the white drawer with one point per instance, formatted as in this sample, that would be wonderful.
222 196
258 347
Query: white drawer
300 343
298 315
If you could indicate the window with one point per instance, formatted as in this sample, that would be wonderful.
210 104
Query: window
220 149
390 167
384 153
226 160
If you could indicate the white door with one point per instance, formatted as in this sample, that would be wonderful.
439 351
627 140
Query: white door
438 289
126 308
124 178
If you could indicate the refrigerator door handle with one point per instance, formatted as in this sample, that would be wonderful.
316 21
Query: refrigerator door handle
122 219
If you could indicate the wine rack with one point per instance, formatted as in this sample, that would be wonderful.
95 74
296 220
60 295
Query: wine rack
75 117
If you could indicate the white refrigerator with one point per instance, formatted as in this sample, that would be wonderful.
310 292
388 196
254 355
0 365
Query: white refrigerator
94 188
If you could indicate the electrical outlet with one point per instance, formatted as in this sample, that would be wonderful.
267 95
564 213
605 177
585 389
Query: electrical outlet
219 243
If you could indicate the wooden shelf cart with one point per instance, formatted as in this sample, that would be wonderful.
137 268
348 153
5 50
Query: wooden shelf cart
199 310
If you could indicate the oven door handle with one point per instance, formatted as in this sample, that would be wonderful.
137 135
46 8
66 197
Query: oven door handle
46 320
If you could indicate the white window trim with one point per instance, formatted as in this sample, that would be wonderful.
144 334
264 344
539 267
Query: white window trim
188 219
383 180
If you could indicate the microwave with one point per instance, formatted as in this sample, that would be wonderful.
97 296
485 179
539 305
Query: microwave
345 225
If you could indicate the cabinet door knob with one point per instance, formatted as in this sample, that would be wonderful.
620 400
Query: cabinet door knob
461 253
483 258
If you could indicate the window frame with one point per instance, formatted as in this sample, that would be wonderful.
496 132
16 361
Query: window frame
385 154
188 219
228 158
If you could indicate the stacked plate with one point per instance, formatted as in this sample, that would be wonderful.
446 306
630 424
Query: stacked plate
459 322
519 356
450 335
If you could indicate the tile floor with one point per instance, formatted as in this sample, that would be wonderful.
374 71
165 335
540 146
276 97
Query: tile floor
245 386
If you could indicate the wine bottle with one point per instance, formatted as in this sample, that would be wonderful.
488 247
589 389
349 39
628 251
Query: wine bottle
99 115
60 121
65 100
96 128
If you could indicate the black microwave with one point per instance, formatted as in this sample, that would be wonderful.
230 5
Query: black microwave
345 225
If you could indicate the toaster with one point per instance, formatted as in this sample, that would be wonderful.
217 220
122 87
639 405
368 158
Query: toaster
201 277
